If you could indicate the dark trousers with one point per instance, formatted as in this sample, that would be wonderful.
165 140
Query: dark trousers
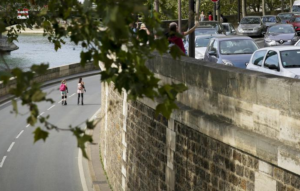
80 95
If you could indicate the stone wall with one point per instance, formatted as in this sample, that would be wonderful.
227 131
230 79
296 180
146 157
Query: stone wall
235 130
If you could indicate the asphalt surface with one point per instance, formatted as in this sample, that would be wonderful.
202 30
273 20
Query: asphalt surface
52 165
259 41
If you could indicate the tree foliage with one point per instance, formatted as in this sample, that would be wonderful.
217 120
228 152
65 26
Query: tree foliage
104 30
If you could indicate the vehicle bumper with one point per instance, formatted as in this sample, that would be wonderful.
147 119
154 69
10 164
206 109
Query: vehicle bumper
274 43
250 33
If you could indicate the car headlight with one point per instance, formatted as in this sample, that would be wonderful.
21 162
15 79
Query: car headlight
240 30
199 55
227 62
295 38
268 40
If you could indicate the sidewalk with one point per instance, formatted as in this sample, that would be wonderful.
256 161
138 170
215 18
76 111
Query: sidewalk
99 181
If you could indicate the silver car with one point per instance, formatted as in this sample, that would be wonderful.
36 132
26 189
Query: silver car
229 29
281 61
269 20
251 26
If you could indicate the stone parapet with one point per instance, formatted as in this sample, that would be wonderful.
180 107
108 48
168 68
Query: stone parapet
235 130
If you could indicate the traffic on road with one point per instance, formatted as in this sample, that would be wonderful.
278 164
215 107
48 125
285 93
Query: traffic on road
268 44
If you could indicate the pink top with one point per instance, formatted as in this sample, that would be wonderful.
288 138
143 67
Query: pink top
178 41
80 88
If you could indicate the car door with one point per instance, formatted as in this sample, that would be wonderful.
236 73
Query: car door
271 63
256 60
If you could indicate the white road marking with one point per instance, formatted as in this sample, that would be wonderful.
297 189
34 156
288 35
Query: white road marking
51 107
19 134
10 147
41 114
81 172
59 101
2 162
27 125
72 95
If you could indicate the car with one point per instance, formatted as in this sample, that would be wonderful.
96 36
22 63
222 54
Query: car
210 24
230 50
278 60
295 21
251 26
228 29
201 43
280 34
204 30
285 17
269 20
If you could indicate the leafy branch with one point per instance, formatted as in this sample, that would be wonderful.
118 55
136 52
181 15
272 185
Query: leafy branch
105 31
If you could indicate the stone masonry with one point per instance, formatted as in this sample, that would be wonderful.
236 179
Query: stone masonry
235 130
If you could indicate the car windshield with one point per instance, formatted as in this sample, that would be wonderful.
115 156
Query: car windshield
202 41
281 29
297 19
250 20
201 31
285 15
270 19
296 8
290 58
237 46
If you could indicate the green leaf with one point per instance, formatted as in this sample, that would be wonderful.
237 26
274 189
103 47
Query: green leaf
38 96
40 134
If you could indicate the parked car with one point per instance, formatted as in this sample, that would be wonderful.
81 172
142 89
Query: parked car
281 61
204 30
280 34
251 26
201 43
211 24
285 17
269 20
295 21
230 50
228 29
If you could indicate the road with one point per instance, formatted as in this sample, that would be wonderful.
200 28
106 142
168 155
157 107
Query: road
259 41
51 165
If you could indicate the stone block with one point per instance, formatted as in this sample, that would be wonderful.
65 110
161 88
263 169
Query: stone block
264 182
265 168
272 92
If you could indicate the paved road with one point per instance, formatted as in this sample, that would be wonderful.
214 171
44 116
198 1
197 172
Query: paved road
259 41
51 165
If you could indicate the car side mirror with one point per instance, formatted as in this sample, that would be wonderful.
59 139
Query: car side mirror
246 63
212 53
273 67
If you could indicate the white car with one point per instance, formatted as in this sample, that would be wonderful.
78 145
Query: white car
280 60
201 43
